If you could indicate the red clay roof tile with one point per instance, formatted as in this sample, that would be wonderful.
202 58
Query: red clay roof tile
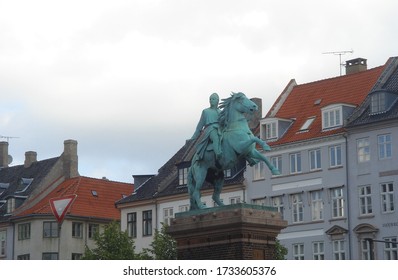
300 103
86 204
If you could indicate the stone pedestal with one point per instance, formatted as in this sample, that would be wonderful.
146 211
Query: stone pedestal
233 232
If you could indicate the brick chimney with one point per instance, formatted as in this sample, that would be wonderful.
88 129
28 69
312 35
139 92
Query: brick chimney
69 157
30 157
254 119
3 154
355 65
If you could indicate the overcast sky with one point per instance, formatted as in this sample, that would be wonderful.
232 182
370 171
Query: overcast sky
128 79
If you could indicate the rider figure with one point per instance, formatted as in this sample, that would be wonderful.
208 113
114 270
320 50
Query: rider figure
209 123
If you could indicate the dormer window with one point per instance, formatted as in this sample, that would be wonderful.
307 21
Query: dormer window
10 205
381 101
23 184
270 131
183 176
3 187
332 117
378 102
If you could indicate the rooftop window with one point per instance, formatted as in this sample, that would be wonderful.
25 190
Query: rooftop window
307 124
381 101
23 184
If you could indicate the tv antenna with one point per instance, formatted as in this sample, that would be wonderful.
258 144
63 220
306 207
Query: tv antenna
8 137
339 53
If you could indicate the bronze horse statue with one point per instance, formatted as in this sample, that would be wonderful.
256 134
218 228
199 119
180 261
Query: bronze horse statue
237 142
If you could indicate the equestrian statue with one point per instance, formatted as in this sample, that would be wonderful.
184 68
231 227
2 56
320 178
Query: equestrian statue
226 139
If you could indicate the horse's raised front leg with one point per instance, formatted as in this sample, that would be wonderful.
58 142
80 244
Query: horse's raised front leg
259 156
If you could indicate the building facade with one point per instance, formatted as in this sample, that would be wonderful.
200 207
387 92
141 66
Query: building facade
23 186
306 131
373 174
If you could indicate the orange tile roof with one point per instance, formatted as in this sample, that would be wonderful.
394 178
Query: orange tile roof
300 103
86 204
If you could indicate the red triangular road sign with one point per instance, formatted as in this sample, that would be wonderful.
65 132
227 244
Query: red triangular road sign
60 206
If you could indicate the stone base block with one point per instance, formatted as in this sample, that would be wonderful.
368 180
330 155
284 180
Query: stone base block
234 232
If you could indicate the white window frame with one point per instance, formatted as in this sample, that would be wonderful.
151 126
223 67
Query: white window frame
234 200
10 205
366 249
339 249
183 176
183 208
387 197
332 117
295 163
318 250
168 214
363 150
316 205
384 146
390 248
271 130
335 155
298 251
297 207
277 201
315 159
365 200
259 171
337 195
277 163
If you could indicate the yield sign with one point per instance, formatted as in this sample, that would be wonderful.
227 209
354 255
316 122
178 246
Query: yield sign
60 206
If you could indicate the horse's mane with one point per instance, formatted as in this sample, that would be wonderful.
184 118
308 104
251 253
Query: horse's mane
225 106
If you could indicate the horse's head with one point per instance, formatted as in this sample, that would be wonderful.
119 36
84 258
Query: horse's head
235 106
243 104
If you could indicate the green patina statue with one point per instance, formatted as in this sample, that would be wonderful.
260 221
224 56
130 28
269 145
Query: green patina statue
226 139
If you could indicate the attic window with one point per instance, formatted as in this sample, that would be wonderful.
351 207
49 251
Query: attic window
318 101
332 117
382 101
183 176
270 130
3 187
307 124
23 184
94 193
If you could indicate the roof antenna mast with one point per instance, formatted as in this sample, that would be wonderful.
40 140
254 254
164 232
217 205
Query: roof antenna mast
8 137
339 53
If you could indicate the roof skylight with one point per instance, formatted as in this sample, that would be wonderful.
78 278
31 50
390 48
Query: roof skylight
307 124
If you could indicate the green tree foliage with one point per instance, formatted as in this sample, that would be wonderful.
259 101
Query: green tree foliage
163 246
112 244
280 251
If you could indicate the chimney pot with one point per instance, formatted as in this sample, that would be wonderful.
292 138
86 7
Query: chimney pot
355 65
30 157
3 154
70 160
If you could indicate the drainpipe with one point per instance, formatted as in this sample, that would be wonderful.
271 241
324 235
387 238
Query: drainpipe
348 196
